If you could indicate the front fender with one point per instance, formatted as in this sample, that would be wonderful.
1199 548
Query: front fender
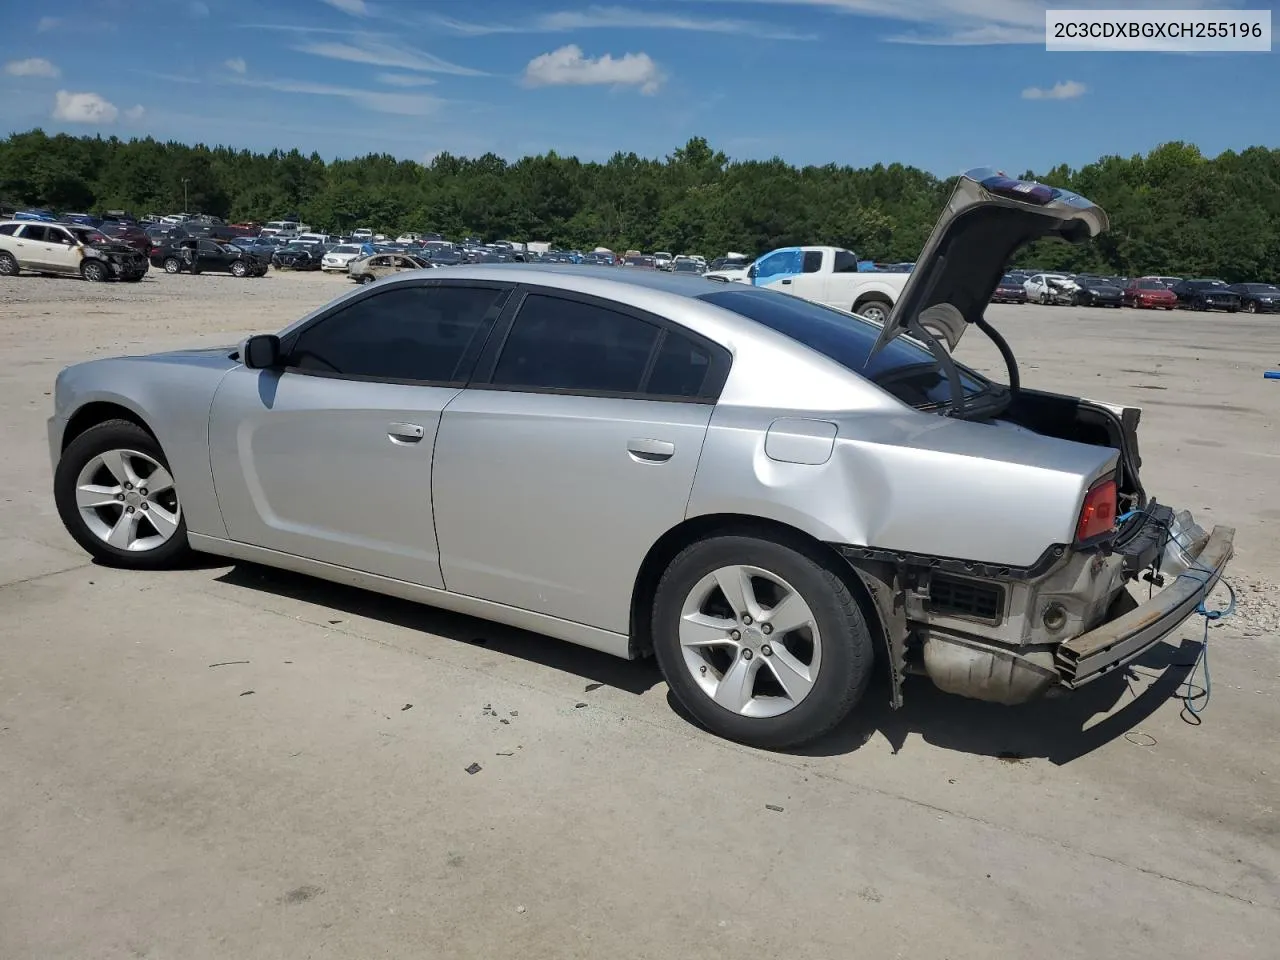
171 396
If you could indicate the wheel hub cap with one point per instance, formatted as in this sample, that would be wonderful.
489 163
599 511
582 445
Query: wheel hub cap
128 500
750 641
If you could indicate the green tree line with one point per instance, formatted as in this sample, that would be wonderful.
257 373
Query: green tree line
1173 211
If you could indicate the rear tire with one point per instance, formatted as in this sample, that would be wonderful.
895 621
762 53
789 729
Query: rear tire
875 310
8 265
98 488
798 681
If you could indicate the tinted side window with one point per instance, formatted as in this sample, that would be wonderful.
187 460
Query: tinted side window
680 369
405 333
569 345
34 233
845 262
8 229
812 261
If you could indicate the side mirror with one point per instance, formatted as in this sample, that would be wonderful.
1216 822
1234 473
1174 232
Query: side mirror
261 352
751 272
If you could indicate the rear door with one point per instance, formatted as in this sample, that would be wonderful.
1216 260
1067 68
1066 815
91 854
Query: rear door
330 458
812 282
571 453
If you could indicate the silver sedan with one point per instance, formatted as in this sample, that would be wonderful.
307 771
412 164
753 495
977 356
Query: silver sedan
768 495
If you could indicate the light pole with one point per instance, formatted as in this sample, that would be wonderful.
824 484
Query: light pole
185 181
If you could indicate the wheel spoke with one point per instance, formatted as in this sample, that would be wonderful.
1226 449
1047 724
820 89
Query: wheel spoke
735 584
790 673
89 496
791 614
159 481
125 530
700 630
118 464
164 521
733 692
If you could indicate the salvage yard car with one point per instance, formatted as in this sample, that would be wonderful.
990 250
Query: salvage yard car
203 255
68 249
369 269
767 494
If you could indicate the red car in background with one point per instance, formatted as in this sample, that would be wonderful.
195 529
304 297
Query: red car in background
1009 290
1146 292
127 233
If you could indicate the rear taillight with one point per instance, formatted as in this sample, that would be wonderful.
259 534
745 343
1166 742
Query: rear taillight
1098 515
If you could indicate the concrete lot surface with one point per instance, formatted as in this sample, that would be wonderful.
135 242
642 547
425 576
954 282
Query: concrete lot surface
227 761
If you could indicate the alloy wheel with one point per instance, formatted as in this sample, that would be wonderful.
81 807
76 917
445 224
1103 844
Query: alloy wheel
128 500
750 641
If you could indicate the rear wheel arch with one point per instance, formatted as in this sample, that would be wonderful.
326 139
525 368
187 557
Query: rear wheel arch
690 531
101 411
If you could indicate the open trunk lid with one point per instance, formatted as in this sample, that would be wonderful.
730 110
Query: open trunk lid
988 218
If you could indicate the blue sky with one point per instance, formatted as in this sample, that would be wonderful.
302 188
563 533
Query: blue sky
940 84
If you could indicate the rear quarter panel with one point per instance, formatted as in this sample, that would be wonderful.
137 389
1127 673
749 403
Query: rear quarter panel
905 481
171 394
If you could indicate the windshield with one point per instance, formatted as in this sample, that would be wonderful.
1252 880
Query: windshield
346 248
1008 280
1151 285
903 367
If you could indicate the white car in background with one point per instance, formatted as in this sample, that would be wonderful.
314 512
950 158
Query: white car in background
362 233
662 260
1049 287
408 238
340 257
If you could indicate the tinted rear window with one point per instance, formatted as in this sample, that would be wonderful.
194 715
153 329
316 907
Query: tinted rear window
904 368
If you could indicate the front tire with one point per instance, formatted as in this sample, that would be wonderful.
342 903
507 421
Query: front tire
238 268
172 265
761 643
94 271
117 498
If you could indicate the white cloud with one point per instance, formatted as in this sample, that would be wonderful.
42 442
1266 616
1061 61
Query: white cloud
1064 90
567 67
404 80
136 112
197 9
34 67
380 54
45 24
377 101
357 8
621 18
84 108
236 65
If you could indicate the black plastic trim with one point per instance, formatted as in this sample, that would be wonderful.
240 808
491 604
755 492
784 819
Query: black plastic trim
970 568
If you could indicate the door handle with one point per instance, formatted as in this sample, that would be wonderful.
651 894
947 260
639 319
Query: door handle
650 451
786 283
404 432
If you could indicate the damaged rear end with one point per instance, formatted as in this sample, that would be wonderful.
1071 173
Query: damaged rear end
1068 615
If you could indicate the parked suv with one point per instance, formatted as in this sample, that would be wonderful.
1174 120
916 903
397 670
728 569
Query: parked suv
68 249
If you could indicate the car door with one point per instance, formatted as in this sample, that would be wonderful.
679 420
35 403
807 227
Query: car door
572 452
63 250
31 247
777 270
212 256
330 456
812 281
